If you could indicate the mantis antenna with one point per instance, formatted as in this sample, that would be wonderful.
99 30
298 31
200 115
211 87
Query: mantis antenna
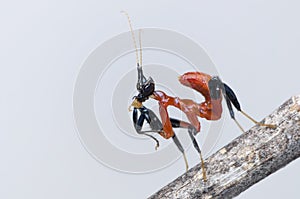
140 41
133 37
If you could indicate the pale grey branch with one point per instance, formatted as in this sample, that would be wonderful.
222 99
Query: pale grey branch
246 160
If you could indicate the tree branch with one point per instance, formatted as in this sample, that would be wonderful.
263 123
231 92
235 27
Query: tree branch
246 160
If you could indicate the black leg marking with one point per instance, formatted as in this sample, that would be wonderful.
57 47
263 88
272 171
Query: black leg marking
215 86
179 146
231 98
175 123
191 131
151 118
229 106
138 123
154 121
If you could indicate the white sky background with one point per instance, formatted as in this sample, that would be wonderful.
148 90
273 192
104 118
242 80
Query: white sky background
254 44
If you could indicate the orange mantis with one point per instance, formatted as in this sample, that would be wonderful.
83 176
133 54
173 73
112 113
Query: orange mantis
211 87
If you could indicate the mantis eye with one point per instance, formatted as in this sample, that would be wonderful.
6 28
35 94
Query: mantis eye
148 89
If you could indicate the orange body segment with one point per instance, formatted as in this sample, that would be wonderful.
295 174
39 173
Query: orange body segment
209 109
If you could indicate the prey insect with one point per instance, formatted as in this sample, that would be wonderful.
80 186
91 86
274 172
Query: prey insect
211 87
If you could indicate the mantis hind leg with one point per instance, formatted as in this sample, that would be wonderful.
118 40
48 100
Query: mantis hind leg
232 99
